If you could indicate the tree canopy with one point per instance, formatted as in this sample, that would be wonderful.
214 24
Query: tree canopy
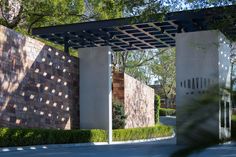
25 14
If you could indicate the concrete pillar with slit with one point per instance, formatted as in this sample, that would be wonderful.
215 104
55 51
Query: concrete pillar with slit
95 89
202 87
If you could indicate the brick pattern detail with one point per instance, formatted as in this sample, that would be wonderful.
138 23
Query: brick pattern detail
138 100
118 86
38 84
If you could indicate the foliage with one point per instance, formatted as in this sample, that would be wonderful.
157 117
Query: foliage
25 14
107 9
233 127
23 137
233 118
163 68
142 133
157 108
118 115
198 117
195 4
136 63
167 112
41 12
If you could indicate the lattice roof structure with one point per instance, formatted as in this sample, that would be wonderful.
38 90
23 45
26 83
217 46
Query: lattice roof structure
136 33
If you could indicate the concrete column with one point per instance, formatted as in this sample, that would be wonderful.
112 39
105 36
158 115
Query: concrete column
202 73
95 89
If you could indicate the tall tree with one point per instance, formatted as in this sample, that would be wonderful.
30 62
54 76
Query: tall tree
136 63
23 14
163 68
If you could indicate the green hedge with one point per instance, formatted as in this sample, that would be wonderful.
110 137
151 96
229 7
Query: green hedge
167 112
142 133
233 129
157 108
24 137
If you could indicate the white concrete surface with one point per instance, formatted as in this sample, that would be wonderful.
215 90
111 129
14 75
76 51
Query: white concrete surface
95 89
202 62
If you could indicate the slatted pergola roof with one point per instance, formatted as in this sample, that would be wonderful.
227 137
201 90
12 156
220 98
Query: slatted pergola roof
136 33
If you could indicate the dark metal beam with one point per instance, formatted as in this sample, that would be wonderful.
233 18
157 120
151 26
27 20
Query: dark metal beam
136 33
66 44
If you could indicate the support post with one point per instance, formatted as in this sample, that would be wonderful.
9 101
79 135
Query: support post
95 89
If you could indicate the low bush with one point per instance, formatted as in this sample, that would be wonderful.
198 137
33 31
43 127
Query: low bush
142 133
157 108
23 137
167 112
118 114
233 127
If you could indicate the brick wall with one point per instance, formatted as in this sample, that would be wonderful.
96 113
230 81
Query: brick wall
138 100
39 87
118 86
38 84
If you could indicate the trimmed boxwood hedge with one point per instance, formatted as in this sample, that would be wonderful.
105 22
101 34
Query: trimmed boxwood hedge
24 137
167 112
142 133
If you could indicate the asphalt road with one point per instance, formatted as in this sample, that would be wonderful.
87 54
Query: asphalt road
125 150
129 150
171 120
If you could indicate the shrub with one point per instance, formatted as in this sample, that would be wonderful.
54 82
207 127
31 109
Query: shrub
142 133
157 108
233 125
118 115
23 137
167 112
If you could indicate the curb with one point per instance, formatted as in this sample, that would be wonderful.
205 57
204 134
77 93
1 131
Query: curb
36 147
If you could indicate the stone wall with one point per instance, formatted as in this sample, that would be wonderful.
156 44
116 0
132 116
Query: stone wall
138 100
38 84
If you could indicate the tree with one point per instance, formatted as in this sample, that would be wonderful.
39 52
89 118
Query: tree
25 14
163 68
118 115
136 63
107 9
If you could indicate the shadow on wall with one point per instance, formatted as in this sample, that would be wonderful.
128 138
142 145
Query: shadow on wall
38 84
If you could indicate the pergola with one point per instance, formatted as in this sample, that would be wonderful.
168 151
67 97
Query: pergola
136 33
202 60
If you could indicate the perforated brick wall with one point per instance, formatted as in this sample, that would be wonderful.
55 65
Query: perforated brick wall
38 84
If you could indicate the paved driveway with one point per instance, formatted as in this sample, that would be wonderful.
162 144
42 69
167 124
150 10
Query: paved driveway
125 150
168 120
